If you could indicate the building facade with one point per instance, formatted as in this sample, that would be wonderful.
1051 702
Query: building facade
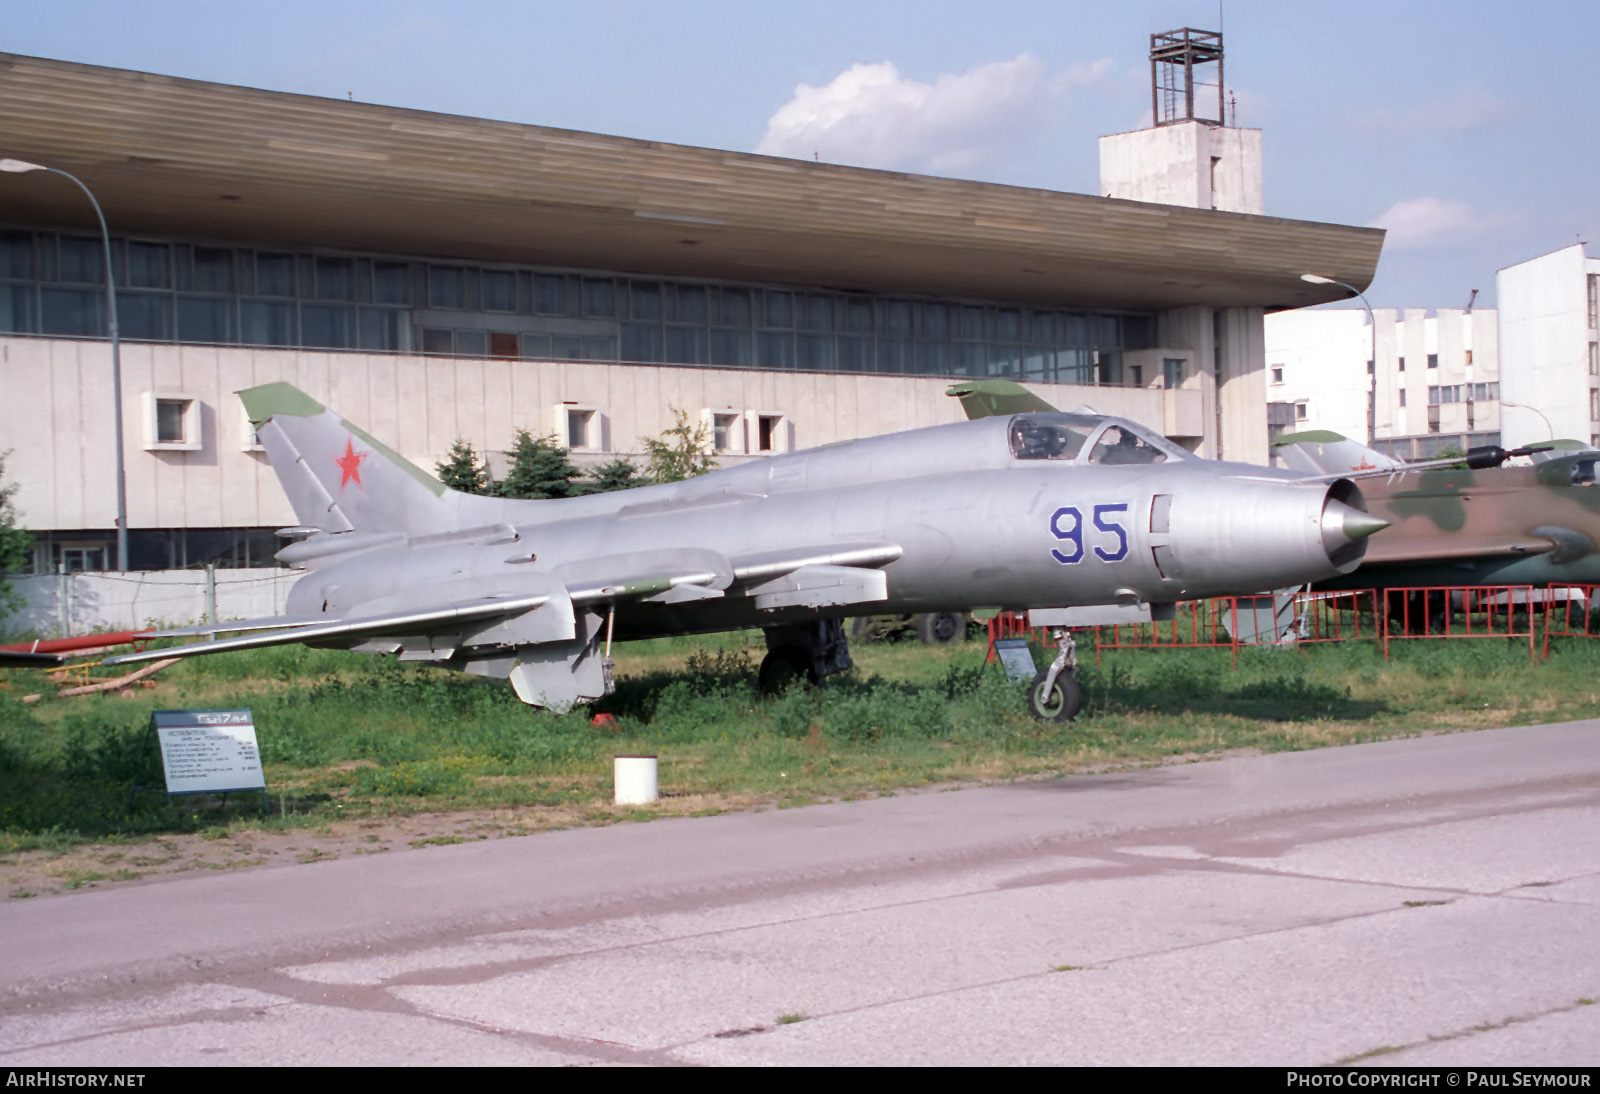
1433 386
436 278
1550 336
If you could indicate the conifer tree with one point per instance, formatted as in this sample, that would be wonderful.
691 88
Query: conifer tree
619 474
539 469
464 469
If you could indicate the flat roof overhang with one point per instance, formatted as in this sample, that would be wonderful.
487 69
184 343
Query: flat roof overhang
175 157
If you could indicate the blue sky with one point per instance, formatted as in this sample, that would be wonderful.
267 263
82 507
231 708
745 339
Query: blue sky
1466 128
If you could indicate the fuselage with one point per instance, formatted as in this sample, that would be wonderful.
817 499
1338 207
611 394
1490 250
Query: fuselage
979 520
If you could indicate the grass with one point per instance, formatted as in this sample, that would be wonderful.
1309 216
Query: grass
348 737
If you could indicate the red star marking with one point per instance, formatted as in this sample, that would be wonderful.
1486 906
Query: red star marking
350 464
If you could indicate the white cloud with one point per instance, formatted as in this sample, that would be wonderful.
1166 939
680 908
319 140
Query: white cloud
873 116
1451 116
1423 222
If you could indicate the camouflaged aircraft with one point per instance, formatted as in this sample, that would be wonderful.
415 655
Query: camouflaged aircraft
1485 524
1077 519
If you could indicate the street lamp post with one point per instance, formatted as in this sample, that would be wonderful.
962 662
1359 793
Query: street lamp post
1548 428
1372 384
20 167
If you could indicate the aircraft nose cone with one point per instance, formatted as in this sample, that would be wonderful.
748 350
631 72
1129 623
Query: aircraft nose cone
1343 523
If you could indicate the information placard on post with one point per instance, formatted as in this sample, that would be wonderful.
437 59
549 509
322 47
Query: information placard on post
1017 658
209 751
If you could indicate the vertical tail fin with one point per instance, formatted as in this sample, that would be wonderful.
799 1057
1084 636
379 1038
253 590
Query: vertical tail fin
339 478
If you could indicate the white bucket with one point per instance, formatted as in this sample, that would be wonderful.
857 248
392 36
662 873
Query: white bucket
635 779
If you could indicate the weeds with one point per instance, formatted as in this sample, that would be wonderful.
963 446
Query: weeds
345 736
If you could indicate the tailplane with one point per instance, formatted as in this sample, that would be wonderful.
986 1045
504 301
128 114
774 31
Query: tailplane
339 478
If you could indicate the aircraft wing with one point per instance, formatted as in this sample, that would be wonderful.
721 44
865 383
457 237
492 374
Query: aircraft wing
412 622
820 575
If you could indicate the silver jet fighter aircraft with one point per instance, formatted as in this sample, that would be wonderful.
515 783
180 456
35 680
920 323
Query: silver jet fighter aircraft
1074 518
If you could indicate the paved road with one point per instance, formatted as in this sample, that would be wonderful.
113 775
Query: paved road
1429 901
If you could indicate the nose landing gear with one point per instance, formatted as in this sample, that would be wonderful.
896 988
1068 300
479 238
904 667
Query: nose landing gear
1054 694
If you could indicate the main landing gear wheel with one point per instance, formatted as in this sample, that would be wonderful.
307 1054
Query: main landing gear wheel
782 667
941 628
1063 701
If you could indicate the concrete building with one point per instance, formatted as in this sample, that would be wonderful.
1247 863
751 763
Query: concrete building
1434 384
1550 341
437 278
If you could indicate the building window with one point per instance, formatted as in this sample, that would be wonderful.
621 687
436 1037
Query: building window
580 428
1402 396
1302 412
1433 360
1594 358
1469 357
766 432
1172 372
724 433
172 422
1277 374
1402 361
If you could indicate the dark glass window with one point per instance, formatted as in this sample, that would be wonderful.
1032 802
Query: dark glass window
499 290
81 260
735 311
213 269
391 283
814 313
266 323
336 279
445 286
644 302
641 342
691 304
549 294
686 346
778 309
327 326
813 351
145 317
776 349
149 266
16 309
16 254
72 311
380 328
274 274
205 319
730 347
599 297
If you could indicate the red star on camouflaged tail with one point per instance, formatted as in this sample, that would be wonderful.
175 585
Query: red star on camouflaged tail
350 464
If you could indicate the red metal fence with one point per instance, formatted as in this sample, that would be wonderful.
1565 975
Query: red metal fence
1383 616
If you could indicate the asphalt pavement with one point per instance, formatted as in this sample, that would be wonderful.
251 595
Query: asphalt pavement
1430 901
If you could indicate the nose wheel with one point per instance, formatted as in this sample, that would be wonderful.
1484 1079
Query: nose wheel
1054 694
1059 701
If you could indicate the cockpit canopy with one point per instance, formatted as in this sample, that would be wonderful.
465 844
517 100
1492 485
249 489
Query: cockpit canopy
1066 437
